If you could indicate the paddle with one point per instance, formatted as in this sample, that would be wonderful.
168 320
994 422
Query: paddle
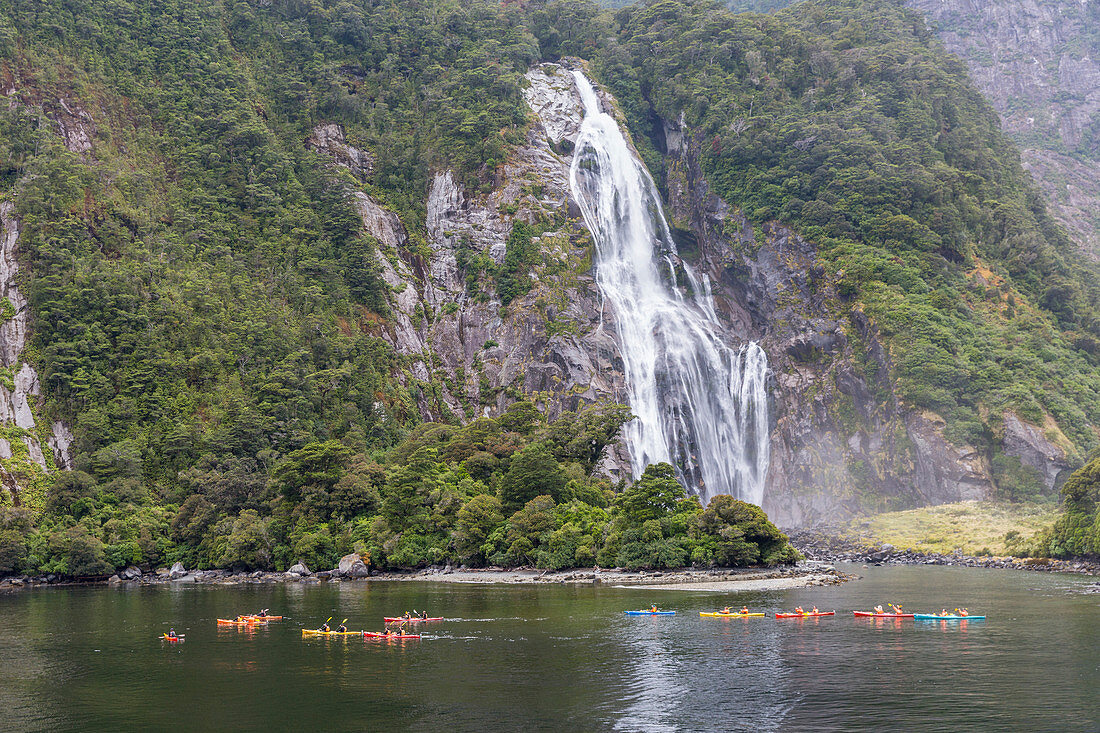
323 625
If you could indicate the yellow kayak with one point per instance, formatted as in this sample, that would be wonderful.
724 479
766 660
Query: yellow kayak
315 632
718 614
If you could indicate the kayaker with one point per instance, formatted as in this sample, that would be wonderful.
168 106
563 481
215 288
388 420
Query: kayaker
878 609
815 610
262 614
962 612
341 629
423 614
943 612
799 610
653 609
897 609
324 627
744 609
727 609
172 634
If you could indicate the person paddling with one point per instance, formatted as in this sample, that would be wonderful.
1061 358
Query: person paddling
727 609
423 615
341 628
262 614
897 609
172 634
815 610
800 611
744 609
878 609
962 612
653 608
324 627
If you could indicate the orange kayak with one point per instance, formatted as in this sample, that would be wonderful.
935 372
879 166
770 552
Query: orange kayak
246 622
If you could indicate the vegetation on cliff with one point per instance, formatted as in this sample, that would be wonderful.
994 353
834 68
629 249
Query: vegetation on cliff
1077 532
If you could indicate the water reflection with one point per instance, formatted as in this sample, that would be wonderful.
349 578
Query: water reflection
653 685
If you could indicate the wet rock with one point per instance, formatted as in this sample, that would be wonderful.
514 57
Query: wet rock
177 571
186 578
298 569
131 573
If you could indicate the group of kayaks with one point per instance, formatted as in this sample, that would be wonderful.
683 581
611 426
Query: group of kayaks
799 613
389 633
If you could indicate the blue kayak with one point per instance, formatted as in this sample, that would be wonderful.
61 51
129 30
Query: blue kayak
650 613
936 617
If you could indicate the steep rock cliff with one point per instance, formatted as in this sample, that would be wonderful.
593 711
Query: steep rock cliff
842 442
469 354
1038 64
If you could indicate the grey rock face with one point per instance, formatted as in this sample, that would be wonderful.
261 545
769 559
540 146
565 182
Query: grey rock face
556 341
1037 63
17 405
771 287
1028 443
298 569
177 571
329 140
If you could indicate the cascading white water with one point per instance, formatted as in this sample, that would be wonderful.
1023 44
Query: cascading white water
700 405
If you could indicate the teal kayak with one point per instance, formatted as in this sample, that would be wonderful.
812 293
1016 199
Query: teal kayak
936 617
650 613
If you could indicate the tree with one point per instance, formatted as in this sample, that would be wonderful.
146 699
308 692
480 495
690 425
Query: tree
533 472
318 466
654 496
408 487
476 521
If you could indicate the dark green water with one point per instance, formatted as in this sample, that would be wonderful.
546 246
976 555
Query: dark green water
558 658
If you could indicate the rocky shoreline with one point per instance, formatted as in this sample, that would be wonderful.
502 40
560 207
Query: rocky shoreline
825 546
352 568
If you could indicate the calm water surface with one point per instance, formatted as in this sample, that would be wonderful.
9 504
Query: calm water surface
559 658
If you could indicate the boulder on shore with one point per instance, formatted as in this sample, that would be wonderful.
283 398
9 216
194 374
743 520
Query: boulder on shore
351 566
177 571
298 568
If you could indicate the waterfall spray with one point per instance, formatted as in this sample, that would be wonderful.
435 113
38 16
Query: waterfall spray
700 405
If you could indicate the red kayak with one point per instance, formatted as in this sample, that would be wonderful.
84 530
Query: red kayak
871 614
805 615
379 635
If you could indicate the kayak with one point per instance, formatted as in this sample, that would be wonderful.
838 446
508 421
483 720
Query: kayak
264 618
379 635
883 615
413 620
805 615
246 622
315 632
936 617
719 614
172 639
649 613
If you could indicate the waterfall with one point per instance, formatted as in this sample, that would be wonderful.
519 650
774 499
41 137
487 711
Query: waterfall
700 404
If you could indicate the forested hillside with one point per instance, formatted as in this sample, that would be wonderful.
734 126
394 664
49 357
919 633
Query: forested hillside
208 314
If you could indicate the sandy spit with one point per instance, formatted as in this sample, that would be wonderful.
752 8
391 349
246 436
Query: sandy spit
721 580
